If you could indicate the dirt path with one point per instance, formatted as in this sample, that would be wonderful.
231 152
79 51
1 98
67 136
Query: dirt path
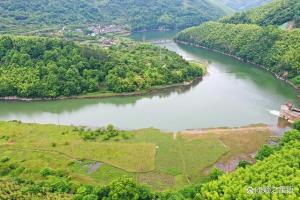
228 130
183 161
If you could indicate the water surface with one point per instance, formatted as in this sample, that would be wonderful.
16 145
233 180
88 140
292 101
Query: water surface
232 94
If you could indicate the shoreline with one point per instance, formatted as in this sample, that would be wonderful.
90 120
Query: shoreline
242 60
97 95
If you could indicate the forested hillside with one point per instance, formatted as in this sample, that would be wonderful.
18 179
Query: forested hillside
277 50
44 67
275 177
138 14
243 4
276 12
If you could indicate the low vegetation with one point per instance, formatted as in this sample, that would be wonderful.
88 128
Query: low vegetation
43 67
40 176
160 160
241 142
103 134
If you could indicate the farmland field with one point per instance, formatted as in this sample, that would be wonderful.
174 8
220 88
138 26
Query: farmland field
158 159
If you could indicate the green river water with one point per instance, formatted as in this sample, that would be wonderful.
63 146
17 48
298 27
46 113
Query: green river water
231 94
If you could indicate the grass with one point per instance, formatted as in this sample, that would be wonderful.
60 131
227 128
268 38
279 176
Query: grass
158 159
138 157
240 141
178 161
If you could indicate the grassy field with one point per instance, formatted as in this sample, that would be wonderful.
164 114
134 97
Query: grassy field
241 142
63 140
154 158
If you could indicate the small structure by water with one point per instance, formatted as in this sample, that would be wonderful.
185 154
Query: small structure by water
288 112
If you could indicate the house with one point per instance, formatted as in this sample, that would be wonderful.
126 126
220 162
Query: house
289 112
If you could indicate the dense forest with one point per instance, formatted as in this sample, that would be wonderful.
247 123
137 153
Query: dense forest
44 67
276 12
275 175
138 14
275 49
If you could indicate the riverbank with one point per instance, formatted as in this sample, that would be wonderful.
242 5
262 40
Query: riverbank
100 95
242 60
107 94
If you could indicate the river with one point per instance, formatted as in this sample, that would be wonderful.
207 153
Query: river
231 94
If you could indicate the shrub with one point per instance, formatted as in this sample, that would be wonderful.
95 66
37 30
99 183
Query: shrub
215 174
60 185
4 170
296 125
4 137
264 152
18 171
47 172
4 159
289 136
243 164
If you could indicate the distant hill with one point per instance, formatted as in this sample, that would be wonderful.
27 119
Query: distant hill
243 4
138 14
276 12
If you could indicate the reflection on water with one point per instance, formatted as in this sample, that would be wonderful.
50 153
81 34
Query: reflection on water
72 105
232 94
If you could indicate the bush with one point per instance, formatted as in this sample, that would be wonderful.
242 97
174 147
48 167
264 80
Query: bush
105 134
264 152
18 171
296 125
47 172
243 164
4 159
4 137
4 170
60 185
125 189
215 174
290 135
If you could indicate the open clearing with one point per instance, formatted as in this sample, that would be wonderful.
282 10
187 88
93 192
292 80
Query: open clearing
152 157
242 142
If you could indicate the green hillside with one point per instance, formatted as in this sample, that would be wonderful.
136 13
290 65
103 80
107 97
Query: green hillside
277 12
275 49
138 14
44 67
276 177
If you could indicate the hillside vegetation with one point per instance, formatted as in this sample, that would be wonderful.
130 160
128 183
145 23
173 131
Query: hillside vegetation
138 14
271 47
239 5
52 168
276 12
44 67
